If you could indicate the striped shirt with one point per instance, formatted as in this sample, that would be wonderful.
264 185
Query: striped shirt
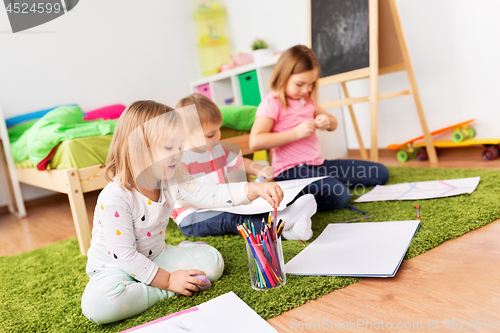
207 168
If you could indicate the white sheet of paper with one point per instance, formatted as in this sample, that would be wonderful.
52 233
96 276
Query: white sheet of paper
371 249
290 189
421 190
224 314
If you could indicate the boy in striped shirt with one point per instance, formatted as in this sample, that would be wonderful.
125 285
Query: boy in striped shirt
210 163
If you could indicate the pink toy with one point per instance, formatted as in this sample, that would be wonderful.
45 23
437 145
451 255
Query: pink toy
241 59
204 279
224 67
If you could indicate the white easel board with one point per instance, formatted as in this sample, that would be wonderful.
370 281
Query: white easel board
370 249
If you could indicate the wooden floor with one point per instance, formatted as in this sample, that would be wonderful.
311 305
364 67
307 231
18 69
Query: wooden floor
49 220
459 279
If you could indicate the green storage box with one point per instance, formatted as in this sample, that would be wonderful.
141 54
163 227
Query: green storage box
249 86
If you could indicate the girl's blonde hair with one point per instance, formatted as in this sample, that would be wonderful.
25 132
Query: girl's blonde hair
140 131
297 59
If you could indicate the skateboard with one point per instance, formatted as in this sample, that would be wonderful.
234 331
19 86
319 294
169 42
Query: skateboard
491 151
461 132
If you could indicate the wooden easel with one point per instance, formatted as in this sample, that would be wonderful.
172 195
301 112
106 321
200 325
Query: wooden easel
387 54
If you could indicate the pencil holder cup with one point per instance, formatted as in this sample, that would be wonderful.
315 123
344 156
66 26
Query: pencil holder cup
266 264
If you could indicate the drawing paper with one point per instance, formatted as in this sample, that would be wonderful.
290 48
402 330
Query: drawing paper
290 189
421 190
370 249
224 314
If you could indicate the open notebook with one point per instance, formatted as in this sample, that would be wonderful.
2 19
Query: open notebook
371 249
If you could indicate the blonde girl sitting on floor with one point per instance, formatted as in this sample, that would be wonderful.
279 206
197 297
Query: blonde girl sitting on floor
129 265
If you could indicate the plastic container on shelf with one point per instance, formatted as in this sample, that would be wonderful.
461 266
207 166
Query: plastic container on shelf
204 89
249 86
213 48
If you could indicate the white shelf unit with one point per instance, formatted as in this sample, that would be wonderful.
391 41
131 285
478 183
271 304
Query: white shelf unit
226 85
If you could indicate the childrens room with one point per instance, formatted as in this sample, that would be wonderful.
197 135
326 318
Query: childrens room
244 166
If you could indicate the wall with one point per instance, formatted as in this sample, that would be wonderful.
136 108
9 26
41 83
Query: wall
454 49
453 45
101 52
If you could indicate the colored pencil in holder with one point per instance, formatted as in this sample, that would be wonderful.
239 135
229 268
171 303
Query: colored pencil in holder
266 275
263 256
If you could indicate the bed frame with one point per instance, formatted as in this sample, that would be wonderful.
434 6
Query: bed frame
73 182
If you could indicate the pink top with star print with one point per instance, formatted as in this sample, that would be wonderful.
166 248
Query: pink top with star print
306 150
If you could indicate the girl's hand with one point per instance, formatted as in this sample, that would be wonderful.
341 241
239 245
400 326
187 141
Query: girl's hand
183 282
271 192
322 122
267 173
305 129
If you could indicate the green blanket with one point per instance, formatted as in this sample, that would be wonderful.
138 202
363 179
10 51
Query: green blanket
240 117
64 123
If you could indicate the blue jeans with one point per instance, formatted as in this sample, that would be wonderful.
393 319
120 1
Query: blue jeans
332 192
213 224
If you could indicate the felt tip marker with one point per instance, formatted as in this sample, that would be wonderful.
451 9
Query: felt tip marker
417 207
355 209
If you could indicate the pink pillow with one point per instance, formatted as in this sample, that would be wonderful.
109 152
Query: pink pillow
106 112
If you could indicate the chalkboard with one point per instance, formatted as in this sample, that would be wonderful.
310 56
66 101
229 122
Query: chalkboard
339 35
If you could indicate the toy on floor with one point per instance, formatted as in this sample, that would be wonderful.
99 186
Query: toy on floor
260 180
491 151
462 136
203 278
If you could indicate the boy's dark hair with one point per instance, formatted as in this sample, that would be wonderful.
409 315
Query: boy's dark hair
208 112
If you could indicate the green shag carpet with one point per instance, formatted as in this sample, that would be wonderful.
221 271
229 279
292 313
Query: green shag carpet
41 290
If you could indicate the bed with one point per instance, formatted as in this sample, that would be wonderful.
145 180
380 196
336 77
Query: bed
73 179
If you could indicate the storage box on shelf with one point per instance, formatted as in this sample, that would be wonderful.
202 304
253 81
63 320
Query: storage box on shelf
249 88
245 85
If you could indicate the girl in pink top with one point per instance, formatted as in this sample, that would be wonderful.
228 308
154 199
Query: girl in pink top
286 122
